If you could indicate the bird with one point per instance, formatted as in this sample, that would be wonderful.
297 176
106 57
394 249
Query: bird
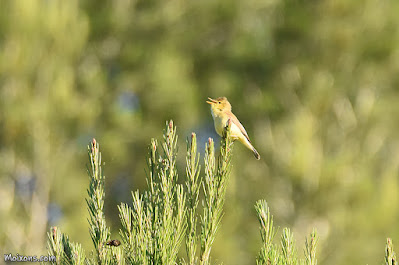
222 115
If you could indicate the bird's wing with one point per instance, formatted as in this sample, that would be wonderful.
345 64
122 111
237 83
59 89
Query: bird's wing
239 125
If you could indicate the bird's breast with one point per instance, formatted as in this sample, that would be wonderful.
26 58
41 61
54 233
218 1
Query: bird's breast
219 122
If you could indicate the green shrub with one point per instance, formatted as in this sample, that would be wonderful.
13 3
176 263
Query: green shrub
168 214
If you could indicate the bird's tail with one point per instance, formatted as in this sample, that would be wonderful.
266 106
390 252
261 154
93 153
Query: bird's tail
256 154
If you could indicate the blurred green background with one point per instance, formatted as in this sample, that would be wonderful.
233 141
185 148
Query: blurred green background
315 83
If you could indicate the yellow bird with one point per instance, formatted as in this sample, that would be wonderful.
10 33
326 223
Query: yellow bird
221 113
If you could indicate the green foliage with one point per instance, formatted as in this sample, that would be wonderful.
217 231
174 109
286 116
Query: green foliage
310 248
193 185
267 254
315 83
154 227
69 253
270 253
390 256
215 184
99 231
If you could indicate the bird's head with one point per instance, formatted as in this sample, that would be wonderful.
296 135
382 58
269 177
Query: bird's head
219 105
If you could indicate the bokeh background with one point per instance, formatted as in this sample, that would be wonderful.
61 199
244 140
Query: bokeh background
315 83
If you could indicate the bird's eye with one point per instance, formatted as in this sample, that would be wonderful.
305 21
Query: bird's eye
219 102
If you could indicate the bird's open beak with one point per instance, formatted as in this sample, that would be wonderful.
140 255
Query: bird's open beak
211 101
